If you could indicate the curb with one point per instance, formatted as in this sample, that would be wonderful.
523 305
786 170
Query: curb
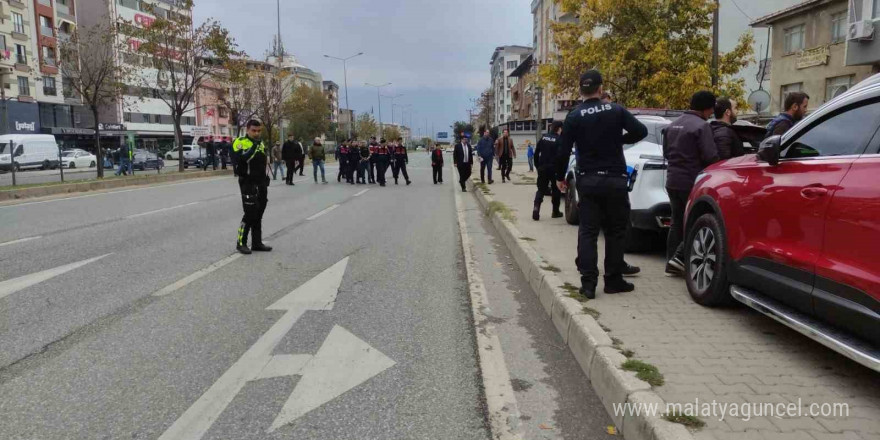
67 188
591 346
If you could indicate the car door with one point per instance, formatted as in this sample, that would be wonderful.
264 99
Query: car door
783 219
847 287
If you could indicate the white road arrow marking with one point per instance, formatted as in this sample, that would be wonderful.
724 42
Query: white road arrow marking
362 361
9 287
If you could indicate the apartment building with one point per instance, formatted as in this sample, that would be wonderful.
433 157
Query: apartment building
331 92
504 61
544 14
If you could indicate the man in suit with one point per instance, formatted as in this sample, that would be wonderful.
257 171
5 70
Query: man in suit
437 164
463 158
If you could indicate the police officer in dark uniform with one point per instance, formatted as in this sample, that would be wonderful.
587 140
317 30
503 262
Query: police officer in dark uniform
373 146
250 161
596 128
401 158
342 160
383 159
354 160
545 155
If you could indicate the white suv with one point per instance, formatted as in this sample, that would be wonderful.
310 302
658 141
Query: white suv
191 154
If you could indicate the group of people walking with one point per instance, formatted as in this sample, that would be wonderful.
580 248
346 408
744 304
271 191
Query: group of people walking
364 163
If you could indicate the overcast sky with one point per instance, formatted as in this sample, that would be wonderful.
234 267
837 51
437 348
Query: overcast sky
434 52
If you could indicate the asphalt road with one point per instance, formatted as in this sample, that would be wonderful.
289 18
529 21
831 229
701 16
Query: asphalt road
128 315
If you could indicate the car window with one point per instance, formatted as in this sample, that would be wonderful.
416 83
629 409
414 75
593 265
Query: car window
187 148
843 134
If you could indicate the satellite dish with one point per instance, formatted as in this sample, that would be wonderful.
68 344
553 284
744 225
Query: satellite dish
759 101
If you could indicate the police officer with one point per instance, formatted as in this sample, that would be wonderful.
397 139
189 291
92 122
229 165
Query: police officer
597 130
354 159
342 160
401 158
250 161
382 159
373 146
544 158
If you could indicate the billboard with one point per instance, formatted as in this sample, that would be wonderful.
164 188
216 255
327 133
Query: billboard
443 135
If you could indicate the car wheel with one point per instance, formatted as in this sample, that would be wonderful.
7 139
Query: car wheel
705 262
72 165
45 165
640 240
93 164
571 207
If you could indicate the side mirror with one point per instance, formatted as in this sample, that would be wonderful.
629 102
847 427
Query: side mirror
769 150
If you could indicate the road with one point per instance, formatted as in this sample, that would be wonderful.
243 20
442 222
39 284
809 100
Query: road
128 315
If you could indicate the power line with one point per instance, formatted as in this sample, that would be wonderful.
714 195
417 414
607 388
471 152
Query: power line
741 11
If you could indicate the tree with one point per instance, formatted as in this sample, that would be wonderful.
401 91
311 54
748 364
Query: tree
273 90
391 133
427 142
88 65
485 107
240 83
652 53
182 57
307 111
460 127
366 126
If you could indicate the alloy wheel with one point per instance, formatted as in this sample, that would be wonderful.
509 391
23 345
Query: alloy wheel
703 259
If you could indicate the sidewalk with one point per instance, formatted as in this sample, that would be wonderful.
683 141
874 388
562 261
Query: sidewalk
730 356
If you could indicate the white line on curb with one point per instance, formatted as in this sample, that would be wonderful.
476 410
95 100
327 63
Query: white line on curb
161 210
332 207
22 240
500 399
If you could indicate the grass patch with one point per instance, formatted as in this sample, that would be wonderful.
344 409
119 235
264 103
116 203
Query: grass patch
502 210
592 312
617 343
628 353
527 239
684 419
570 288
644 371
551 268
607 330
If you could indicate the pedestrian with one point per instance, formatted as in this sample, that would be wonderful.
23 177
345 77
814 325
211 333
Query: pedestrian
300 155
250 161
382 160
437 165
530 154
795 109
277 161
224 153
506 152
354 158
124 160
401 159
689 146
373 146
318 156
341 155
364 165
463 159
597 130
486 152
727 141
210 154
288 155
545 162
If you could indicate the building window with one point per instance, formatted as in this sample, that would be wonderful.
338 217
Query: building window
836 86
145 118
131 4
20 54
126 117
511 64
24 86
17 23
49 56
789 89
838 27
157 119
46 26
3 42
49 86
794 39
223 112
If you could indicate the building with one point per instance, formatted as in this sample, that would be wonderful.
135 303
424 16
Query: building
144 120
863 37
809 52
544 14
523 96
404 131
504 61
302 75
211 111
331 92
346 120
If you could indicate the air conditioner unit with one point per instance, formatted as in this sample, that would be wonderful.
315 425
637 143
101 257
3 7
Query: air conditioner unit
861 30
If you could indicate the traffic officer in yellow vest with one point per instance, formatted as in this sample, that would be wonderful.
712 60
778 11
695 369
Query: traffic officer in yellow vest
251 160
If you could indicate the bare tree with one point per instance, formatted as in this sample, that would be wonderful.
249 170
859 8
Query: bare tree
90 71
178 53
273 89
239 97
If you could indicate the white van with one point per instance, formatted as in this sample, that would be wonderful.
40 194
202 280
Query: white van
31 151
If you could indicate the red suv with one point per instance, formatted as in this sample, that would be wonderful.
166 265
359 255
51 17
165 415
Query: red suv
794 231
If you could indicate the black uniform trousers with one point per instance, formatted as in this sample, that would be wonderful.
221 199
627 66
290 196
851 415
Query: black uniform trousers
343 164
353 165
398 167
604 205
372 169
381 169
464 173
254 199
547 187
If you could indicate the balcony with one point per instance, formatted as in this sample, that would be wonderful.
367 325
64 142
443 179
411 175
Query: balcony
47 32
50 91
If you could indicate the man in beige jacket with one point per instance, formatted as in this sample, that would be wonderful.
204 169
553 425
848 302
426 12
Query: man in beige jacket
505 151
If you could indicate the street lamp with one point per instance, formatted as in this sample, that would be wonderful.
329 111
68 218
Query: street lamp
345 76
379 98
392 98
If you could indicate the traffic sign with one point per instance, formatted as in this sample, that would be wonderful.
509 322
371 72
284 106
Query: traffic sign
200 131
443 135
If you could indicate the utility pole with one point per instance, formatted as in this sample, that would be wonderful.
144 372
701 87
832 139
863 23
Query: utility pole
715 32
345 78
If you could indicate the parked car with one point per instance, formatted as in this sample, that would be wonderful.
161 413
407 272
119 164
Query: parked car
794 230
191 154
78 159
31 151
146 160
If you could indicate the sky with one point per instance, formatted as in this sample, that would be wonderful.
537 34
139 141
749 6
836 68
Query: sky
433 52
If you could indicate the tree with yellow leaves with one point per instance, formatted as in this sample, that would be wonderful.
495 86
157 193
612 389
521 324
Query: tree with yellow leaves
652 53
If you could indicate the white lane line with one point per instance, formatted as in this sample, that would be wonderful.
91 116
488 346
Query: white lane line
113 192
500 399
173 287
323 212
22 240
9 287
160 210
361 193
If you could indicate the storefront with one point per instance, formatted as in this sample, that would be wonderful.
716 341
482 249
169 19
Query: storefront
72 125
22 118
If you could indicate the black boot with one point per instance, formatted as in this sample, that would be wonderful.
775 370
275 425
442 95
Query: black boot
556 212
588 288
241 244
258 245
630 271
536 213
616 284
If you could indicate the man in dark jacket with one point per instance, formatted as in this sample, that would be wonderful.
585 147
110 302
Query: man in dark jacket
288 155
463 158
400 158
726 139
486 151
506 152
795 108
545 162
437 164
250 160
300 155
689 147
